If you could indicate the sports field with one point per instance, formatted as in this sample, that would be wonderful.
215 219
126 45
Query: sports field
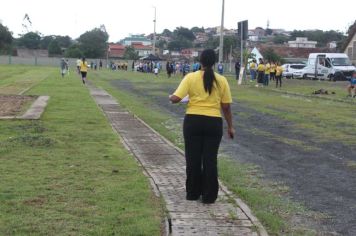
68 173
293 156
292 160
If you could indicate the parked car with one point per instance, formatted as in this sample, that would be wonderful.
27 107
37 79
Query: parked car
293 70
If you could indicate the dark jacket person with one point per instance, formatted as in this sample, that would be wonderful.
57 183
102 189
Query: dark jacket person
209 93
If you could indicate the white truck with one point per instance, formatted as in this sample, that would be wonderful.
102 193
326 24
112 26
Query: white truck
328 66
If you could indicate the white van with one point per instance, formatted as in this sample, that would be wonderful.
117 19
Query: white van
328 66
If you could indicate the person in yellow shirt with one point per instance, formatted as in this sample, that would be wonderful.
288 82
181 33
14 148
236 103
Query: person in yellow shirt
209 93
279 71
78 65
273 71
260 73
84 70
267 74
253 68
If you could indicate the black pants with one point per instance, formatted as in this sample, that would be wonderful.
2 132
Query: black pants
202 136
279 79
260 77
272 75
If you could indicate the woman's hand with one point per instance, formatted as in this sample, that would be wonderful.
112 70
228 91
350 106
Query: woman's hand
174 98
231 132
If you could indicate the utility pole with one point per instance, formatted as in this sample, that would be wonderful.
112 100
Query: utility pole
154 34
221 47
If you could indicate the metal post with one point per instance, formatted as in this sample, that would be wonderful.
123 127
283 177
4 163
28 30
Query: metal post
230 59
154 34
221 47
242 46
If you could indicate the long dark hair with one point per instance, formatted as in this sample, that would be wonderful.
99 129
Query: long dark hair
207 59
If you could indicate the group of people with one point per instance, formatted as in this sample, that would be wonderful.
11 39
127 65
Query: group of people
264 72
119 65
146 66
181 68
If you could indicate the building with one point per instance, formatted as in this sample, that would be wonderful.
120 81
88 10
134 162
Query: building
350 48
141 49
332 44
302 42
128 41
116 51
189 53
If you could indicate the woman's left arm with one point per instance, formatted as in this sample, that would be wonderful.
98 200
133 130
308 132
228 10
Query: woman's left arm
174 99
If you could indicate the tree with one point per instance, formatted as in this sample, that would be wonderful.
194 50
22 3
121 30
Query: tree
197 30
167 33
162 44
46 40
63 41
130 53
183 33
54 49
322 37
30 40
280 39
74 52
93 43
5 38
179 44
270 55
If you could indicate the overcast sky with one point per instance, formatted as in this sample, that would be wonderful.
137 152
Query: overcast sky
121 18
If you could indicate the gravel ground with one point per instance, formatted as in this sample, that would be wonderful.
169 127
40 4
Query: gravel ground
317 175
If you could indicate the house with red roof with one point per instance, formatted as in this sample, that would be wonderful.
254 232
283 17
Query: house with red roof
141 49
116 51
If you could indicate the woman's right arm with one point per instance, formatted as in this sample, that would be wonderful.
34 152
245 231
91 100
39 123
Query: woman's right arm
226 108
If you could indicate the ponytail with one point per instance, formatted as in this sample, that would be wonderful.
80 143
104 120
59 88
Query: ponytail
209 78
207 59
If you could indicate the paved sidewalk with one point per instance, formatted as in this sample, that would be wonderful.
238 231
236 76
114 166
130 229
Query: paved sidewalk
165 166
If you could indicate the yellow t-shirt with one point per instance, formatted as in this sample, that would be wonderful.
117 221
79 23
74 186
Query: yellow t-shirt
252 66
268 68
273 68
261 68
200 102
279 70
83 66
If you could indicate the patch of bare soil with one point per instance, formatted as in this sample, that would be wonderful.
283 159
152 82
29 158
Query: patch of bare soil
12 105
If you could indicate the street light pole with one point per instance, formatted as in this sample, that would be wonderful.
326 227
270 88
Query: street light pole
154 34
221 47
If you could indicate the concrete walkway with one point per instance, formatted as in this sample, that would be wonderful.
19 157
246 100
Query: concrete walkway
164 164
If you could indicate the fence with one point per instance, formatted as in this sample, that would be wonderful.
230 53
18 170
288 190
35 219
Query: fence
55 61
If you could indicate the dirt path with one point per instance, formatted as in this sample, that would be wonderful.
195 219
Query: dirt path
315 172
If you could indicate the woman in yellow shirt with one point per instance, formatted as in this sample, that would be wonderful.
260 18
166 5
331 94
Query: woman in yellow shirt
279 71
260 72
83 69
209 93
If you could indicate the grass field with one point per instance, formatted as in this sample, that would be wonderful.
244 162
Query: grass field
323 118
54 180
68 173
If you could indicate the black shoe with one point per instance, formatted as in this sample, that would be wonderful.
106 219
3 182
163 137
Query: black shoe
192 198
208 201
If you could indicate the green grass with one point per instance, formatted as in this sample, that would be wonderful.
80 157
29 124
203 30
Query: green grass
268 201
326 120
16 79
68 174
